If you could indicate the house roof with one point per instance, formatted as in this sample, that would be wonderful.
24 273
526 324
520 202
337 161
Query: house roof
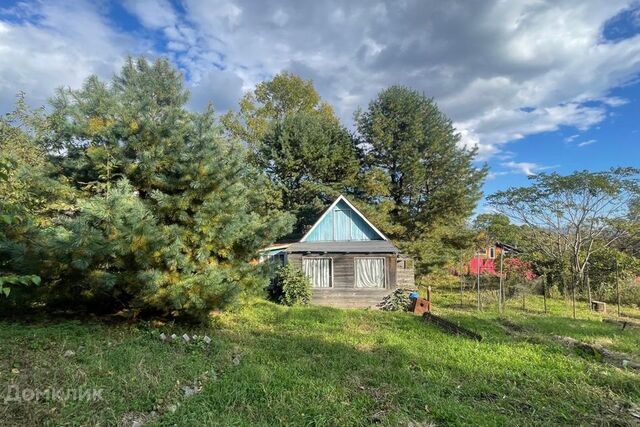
366 246
330 208
507 248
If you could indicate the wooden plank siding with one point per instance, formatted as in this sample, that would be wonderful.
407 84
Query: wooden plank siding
344 269
406 278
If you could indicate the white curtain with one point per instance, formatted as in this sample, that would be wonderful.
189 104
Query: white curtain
370 273
318 270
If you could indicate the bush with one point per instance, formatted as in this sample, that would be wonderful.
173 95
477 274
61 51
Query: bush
290 286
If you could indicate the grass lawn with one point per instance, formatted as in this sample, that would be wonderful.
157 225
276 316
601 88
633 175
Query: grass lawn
270 365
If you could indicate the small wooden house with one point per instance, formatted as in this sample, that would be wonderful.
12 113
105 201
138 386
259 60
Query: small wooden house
347 259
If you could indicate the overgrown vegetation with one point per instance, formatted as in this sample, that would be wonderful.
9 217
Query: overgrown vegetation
120 197
290 286
269 364
152 208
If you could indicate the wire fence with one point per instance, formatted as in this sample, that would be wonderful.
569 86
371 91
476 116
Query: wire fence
538 295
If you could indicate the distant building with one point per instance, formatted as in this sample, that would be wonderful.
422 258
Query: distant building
488 259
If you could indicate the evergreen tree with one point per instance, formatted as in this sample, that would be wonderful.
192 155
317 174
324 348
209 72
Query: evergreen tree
298 142
429 184
312 159
172 212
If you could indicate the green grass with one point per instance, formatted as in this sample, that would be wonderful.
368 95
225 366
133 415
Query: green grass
270 365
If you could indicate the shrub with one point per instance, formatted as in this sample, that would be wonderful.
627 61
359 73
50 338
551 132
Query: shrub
290 286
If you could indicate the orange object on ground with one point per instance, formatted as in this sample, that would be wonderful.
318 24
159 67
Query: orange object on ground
422 306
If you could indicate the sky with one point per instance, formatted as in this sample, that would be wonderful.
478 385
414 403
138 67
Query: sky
536 86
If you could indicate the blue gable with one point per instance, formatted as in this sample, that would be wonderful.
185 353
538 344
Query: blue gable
342 224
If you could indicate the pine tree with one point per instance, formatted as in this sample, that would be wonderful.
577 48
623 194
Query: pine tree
298 142
312 160
422 177
172 212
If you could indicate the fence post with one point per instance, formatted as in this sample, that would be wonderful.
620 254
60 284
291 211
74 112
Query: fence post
618 287
544 292
588 281
461 282
573 297
478 265
500 302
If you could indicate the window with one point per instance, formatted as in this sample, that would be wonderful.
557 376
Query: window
277 259
319 271
370 273
492 252
405 264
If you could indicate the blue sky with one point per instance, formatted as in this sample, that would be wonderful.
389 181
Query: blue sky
537 86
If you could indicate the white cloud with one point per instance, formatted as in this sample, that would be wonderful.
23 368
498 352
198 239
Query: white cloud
57 44
526 168
493 175
221 88
153 13
585 143
500 70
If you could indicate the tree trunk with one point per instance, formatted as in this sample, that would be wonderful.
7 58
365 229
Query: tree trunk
575 283
573 299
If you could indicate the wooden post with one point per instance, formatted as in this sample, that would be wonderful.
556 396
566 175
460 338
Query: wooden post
500 302
429 293
544 292
478 265
573 297
618 287
588 282
461 283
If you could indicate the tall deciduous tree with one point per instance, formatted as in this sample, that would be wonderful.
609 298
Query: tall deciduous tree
172 212
498 227
31 197
569 217
271 102
424 176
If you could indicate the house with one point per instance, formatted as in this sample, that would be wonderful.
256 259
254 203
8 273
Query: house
347 259
487 260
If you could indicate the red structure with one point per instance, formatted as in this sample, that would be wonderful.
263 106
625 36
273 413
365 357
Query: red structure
488 263
486 266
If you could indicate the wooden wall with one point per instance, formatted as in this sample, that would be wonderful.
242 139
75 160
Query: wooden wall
343 267
406 274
